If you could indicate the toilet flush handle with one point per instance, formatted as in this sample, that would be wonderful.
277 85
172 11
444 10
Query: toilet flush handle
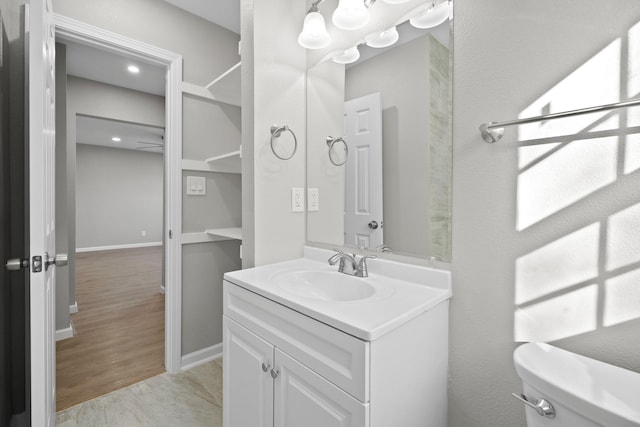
542 407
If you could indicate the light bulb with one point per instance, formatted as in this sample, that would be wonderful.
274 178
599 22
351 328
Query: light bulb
314 33
433 17
350 15
382 39
349 56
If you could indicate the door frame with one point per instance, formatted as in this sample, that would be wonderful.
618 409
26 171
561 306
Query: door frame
77 31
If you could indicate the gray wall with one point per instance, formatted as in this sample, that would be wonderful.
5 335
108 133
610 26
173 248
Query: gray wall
542 234
209 129
63 202
118 195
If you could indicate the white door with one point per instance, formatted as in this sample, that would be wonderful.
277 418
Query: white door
304 398
363 219
41 112
248 360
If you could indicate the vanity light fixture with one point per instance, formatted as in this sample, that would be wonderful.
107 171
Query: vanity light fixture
133 69
116 139
314 33
382 39
351 14
433 16
349 56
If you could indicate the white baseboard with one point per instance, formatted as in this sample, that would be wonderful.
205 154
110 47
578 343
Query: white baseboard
199 357
73 308
114 247
63 334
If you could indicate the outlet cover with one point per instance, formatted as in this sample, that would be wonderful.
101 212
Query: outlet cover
297 200
313 199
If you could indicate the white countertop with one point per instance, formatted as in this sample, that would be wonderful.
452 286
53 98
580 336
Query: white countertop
409 291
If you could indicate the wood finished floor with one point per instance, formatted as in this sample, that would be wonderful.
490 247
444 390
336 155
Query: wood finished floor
119 329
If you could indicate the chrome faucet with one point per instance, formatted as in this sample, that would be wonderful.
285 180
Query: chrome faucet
349 264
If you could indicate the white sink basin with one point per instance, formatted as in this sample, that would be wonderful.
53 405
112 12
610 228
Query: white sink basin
330 285
366 308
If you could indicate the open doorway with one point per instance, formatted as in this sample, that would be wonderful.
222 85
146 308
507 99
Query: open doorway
151 144
118 328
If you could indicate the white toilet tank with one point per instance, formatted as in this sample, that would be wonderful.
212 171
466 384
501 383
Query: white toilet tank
583 392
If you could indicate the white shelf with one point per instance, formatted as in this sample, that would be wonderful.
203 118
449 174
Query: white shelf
224 88
233 233
225 163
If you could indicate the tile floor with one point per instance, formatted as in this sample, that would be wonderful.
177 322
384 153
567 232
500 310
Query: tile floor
190 398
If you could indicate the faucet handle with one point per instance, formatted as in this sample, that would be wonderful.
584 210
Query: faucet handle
362 265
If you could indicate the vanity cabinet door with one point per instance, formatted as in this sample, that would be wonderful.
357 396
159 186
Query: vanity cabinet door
247 379
304 398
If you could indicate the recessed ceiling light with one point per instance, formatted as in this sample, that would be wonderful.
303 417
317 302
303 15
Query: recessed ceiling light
133 69
116 139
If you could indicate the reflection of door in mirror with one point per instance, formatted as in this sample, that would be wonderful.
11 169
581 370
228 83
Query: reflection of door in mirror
413 79
363 174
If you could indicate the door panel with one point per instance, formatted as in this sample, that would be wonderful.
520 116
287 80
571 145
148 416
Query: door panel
304 398
41 96
248 360
363 174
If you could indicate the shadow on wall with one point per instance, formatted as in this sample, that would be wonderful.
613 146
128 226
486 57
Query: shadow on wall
578 202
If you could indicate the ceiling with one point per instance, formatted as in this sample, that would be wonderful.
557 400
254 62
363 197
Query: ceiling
225 13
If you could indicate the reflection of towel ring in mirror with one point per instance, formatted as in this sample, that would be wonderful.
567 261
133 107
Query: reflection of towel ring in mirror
276 131
331 141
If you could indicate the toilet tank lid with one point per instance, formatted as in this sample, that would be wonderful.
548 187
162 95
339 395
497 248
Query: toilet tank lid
605 393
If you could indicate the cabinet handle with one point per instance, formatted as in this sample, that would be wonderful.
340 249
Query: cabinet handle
265 367
274 374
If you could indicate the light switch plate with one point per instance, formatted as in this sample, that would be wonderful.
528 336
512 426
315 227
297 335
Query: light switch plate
196 186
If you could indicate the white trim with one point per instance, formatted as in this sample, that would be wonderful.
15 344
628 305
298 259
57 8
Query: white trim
115 247
66 333
73 308
199 357
70 29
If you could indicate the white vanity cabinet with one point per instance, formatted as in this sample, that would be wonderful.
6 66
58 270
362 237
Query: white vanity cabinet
283 368
269 388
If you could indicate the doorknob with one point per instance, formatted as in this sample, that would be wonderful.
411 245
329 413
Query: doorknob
15 264
373 225
59 260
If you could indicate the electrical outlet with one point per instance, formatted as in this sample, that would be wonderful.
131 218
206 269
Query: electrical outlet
313 199
143 233
297 200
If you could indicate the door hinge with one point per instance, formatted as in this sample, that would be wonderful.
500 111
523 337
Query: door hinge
36 264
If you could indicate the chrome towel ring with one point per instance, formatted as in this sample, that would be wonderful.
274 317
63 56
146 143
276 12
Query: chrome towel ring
276 131
331 141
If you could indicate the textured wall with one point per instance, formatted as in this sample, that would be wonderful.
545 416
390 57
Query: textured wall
544 222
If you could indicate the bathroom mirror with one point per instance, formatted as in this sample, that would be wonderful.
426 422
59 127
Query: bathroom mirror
388 118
